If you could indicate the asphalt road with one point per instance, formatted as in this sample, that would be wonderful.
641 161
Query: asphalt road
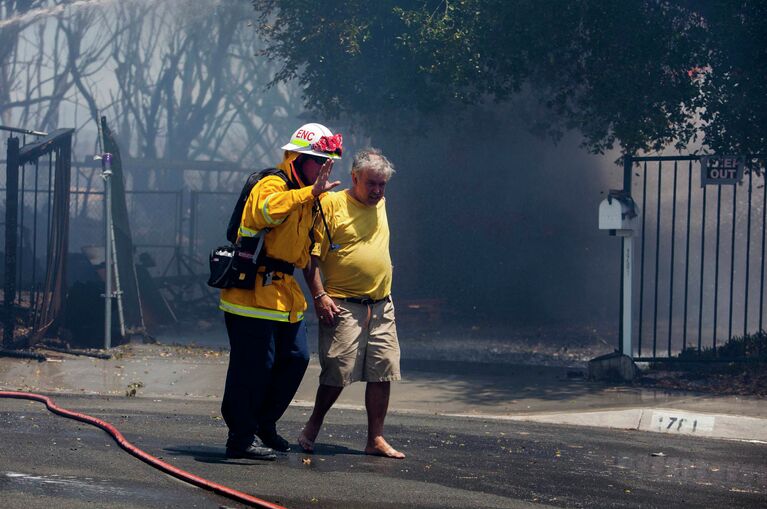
49 461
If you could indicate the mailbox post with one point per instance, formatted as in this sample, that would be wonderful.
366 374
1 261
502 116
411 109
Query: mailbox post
617 215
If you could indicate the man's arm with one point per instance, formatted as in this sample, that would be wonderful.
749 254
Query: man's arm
273 201
324 306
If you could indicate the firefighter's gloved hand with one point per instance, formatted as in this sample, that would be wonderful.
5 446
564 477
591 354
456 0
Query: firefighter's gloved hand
327 310
322 185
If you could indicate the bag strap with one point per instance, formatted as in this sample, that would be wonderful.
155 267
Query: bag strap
235 219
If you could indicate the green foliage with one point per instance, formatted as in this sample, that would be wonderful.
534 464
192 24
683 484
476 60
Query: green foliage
737 367
751 347
641 73
349 56
733 104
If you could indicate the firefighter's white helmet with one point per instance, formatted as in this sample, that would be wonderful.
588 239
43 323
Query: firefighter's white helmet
317 140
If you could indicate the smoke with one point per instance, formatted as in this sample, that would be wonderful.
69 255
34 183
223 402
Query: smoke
185 8
500 225
43 12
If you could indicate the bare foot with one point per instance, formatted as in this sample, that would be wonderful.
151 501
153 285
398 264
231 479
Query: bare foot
304 440
380 447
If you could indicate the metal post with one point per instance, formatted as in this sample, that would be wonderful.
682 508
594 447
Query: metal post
672 262
628 269
627 278
657 264
193 198
748 251
106 174
628 163
641 263
179 227
621 304
118 287
11 219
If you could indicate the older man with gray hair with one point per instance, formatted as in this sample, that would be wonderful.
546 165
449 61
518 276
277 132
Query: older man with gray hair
350 276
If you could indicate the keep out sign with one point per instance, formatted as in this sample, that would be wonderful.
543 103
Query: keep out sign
719 170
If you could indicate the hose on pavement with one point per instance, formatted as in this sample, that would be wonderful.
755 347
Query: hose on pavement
144 456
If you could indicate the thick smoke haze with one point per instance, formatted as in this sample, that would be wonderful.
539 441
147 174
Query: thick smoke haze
494 224
500 224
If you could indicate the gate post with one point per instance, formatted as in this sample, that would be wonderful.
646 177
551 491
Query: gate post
627 268
11 225
626 294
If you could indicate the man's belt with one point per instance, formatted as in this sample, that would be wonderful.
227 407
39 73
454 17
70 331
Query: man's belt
366 301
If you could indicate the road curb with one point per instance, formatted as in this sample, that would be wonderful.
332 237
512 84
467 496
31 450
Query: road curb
655 420
662 420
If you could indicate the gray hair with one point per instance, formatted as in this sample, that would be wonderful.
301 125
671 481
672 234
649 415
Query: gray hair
373 160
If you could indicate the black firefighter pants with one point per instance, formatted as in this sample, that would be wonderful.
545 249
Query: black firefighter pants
266 364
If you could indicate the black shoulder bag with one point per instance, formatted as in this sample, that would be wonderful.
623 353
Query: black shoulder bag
234 265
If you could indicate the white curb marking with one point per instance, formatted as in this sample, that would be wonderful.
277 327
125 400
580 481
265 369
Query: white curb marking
683 423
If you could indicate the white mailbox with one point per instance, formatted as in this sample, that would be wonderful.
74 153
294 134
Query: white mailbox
618 214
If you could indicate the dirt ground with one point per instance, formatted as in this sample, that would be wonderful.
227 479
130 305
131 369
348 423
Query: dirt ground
559 345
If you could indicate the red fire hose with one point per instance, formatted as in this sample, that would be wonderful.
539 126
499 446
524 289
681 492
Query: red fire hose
143 456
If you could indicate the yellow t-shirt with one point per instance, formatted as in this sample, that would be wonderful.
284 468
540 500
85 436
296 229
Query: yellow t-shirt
361 266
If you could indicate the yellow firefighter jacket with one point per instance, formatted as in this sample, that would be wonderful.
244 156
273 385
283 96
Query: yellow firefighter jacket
288 214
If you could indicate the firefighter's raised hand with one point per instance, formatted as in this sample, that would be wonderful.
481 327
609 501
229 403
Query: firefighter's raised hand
321 185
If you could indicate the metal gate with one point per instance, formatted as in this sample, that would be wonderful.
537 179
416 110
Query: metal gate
33 297
700 252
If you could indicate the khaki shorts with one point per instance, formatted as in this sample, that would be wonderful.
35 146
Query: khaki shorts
361 346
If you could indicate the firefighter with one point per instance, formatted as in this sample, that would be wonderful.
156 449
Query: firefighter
267 336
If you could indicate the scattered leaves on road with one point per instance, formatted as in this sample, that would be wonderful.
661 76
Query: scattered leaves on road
133 388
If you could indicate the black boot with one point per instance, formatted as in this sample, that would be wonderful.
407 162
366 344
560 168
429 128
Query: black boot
274 440
254 451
